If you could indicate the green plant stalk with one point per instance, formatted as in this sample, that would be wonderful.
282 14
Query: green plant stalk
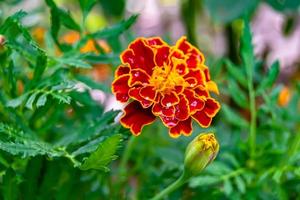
175 185
252 136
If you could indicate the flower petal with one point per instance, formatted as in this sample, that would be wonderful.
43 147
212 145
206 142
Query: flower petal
138 77
161 55
195 103
120 88
182 111
148 93
121 70
135 94
169 99
155 41
143 56
197 75
211 107
183 127
158 109
169 121
212 86
202 118
136 117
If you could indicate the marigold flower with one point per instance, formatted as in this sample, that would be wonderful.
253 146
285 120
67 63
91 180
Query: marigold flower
169 82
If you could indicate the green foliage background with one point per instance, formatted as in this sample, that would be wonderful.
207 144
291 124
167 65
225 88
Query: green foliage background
46 153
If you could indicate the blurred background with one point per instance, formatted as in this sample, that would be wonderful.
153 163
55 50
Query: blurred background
150 162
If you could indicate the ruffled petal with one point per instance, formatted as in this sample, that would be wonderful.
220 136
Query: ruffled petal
183 127
135 94
201 91
211 107
120 88
158 110
196 75
161 55
182 111
169 99
121 70
155 41
136 117
143 56
202 118
138 77
169 121
195 103
148 92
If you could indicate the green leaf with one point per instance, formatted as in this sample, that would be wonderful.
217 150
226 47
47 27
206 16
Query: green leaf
93 84
237 94
16 142
30 100
284 5
9 185
86 6
17 101
104 154
227 11
237 73
74 62
233 117
64 16
203 181
114 30
247 50
270 79
227 187
41 100
240 184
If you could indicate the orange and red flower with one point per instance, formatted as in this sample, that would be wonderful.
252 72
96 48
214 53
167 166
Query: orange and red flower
169 82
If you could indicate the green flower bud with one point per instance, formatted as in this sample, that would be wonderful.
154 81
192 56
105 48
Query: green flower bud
199 153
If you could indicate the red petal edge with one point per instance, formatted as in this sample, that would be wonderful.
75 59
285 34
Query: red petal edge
136 117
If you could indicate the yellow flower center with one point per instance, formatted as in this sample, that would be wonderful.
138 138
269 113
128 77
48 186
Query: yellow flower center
209 141
165 79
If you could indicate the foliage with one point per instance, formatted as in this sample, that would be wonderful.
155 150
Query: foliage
57 142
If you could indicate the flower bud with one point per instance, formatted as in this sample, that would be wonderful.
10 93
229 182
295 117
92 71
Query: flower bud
200 152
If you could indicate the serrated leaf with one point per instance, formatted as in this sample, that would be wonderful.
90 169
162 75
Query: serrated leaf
89 147
104 154
270 78
74 62
64 16
114 30
233 117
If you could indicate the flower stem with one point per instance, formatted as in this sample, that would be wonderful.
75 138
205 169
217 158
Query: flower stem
252 136
175 185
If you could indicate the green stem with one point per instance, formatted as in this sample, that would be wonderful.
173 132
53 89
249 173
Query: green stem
175 185
252 107
126 154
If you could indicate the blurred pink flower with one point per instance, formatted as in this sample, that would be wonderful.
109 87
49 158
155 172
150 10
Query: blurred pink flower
268 37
